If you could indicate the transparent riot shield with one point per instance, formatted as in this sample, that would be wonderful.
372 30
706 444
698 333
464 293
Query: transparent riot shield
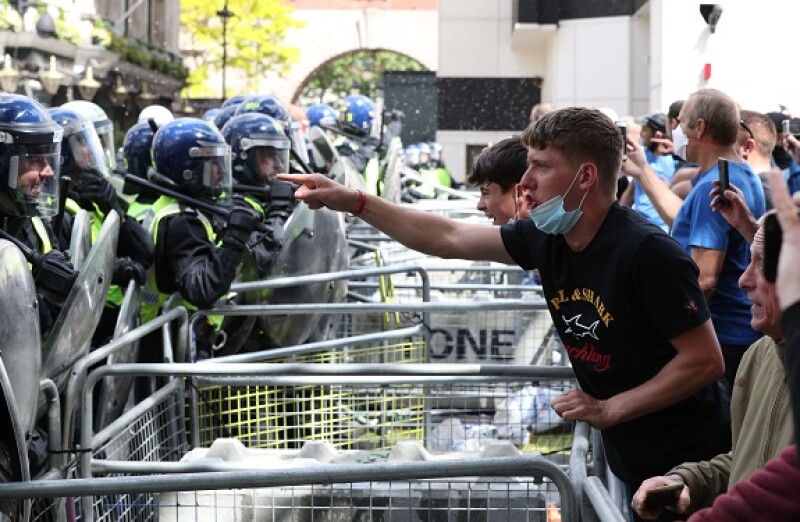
13 450
392 187
19 335
73 329
323 152
314 243
112 393
81 241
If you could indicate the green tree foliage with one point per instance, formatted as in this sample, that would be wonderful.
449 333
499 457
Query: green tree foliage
360 71
255 35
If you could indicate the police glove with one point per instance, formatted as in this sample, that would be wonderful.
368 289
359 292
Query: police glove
54 276
135 243
241 224
126 269
96 190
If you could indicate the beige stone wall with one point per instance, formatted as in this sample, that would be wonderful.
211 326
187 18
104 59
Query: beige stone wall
153 21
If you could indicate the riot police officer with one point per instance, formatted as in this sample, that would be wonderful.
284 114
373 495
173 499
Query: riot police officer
260 151
138 162
30 143
84 161
355 120
191 156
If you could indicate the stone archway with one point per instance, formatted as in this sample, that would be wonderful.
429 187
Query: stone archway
301 87
329 34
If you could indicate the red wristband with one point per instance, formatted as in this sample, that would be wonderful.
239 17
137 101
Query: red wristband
362 202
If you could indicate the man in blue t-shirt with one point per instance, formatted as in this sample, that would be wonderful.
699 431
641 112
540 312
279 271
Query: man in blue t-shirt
709 123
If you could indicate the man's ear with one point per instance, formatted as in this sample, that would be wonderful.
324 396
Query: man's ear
749 147
588 176
658 134
700 125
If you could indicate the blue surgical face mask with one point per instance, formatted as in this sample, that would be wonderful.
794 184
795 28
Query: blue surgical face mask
551 217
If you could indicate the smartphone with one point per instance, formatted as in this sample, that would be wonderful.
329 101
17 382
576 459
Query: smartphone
791 126
724 183
663 496
773 237
623 129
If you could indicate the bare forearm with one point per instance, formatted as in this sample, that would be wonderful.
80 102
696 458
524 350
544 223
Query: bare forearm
666 202
433 234
683 376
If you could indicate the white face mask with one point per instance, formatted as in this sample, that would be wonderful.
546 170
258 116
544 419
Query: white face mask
680 142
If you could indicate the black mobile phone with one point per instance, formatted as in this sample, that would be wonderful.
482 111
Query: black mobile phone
623 129
724 183
663 496
773 237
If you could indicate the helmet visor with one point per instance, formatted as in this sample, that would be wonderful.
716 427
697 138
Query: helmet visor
215 170
87 151
298 140
269 162
105 131
35 171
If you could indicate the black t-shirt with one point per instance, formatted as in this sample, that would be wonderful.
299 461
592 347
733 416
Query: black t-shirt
615 305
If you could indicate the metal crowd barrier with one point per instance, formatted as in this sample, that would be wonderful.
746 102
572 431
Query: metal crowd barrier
151 437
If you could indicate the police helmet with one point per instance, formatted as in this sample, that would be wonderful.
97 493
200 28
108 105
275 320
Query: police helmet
411 156
102 124
30 154
193 154
322 115
436 153
233 100
224 115
81 149
356 114
424 153
210 114
158 113
136 149
259 146
271 106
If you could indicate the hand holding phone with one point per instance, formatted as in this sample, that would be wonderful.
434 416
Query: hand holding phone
664 496
623 129
724 182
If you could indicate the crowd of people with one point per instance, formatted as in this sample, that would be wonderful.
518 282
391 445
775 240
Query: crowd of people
683 342
677 338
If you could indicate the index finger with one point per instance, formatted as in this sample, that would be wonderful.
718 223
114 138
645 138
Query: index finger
782 201
303 179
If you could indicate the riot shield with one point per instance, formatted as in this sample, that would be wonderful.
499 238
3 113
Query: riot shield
19 336
112 392
73 329
323 152
314 243
13 451
347 174
81 241
392 187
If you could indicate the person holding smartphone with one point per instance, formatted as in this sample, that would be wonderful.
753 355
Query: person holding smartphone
761 420
709 125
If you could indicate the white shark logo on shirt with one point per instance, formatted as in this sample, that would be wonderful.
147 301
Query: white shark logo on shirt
579 330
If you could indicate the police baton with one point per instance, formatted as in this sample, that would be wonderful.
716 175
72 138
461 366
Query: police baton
207 206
